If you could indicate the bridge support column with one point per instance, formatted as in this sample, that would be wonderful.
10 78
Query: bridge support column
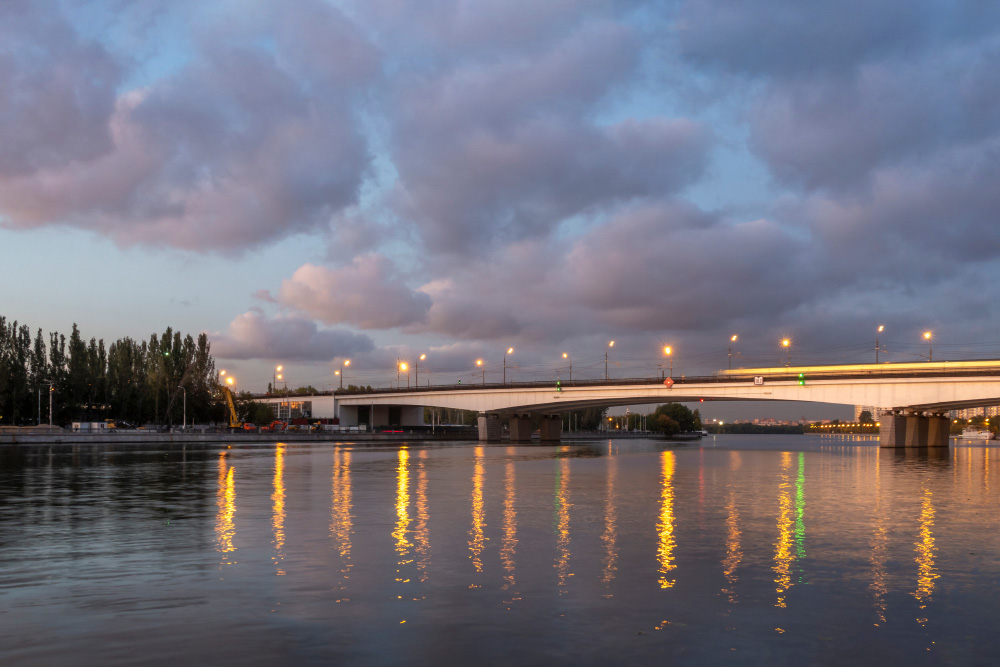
489 427
520 428
913 431
551 428
938 431
916 431
892 432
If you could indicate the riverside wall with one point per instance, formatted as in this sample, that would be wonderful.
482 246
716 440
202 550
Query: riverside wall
7 437
33 436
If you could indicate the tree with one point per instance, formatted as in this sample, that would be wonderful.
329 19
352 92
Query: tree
672 418
865 417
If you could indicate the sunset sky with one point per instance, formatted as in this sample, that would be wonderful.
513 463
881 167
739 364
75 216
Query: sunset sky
313 181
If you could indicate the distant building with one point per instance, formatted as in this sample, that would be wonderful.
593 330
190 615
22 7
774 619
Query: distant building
969 413
873 410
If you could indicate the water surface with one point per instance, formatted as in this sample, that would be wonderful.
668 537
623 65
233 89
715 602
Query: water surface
737 549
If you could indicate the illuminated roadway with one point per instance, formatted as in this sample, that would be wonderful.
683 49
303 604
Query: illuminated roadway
925 387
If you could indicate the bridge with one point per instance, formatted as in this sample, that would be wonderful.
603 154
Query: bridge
915 396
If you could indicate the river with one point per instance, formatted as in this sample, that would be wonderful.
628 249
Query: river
736 549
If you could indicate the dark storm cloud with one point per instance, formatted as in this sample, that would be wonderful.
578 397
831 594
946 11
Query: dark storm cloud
249 141
253 335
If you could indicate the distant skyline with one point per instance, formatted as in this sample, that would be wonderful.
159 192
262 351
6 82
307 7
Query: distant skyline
316 181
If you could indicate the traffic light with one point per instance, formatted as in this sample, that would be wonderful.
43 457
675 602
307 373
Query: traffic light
558 385
802 379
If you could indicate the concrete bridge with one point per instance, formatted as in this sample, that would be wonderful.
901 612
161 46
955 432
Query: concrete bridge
915 396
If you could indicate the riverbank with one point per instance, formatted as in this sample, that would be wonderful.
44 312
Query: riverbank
45 436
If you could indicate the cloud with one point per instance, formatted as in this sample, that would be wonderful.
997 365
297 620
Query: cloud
252 335
502 151
248 142
58 91
365 293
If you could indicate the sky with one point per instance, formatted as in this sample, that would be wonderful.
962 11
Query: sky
315 181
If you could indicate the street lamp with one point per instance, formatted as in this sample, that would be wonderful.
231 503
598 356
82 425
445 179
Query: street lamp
343 364
930 346
670 355
184 389
416 371
787 344
731 341
277 376
570 360
510 350
401 367
479 362
880 329
610 345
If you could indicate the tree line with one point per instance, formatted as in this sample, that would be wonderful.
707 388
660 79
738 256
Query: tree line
135 381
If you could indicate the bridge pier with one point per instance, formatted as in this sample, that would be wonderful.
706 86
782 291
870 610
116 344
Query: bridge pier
912 430
489 427
520 428
551 428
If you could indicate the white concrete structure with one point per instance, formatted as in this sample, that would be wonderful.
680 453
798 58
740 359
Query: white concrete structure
912 389
925 394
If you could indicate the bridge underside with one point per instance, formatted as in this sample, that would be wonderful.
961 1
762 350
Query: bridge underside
917 405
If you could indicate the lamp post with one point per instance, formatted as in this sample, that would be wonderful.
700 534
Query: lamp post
610 345
877 332
510 350
184 389
479 362
416 371
277 376
930 346
670 355
570 360
731 341
343 364
406 369
787 344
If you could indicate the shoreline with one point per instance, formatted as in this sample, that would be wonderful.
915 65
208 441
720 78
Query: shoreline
152 438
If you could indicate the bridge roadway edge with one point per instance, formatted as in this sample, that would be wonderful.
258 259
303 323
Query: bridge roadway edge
917 400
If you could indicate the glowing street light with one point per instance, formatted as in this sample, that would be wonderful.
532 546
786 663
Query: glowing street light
343 364
277 376
930 345
510 350
880 329
416 370
669 354
570 360
610 345
731 341
787 344
402 367
479 362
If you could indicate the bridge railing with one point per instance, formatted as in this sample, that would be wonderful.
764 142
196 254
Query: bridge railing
731 377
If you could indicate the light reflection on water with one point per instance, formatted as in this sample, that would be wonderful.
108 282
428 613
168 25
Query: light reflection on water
804 549
224 524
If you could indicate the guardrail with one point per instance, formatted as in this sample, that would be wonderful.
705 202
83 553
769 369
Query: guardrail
732 377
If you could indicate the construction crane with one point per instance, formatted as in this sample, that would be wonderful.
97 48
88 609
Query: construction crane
234 421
